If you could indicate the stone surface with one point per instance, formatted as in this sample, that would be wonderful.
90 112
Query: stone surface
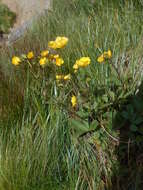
26 11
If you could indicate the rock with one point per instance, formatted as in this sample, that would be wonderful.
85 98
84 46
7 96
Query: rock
26 11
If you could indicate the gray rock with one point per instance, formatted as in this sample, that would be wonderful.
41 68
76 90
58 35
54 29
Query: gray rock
27 11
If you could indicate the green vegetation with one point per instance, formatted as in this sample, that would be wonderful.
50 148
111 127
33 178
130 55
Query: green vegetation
45 143
7 18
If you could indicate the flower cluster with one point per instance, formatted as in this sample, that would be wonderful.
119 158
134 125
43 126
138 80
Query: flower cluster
45 57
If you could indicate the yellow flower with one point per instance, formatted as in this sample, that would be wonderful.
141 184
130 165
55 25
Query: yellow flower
75 71
60 42
74 101
83 62
44 53
56 56
63 77
67 77
59 77
100 58
43 61
59 61
107 54
30 55
52 44
75 66
16 60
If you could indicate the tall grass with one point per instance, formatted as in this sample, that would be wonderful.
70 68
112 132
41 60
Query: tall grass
45 144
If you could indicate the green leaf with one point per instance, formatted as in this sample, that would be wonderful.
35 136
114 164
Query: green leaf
133 128
78 126
83 114
105 98
125 115
112 95
139 120
94 125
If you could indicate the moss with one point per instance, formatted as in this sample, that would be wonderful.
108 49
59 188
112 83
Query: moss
7 19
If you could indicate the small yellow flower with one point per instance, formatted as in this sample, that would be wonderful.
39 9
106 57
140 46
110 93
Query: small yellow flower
56 56
74 101
83 62
43 61
107 54
52 44
75 66
63 77
60 42
44 53
59 61
59 77
16 60
67 77
30 55
100 58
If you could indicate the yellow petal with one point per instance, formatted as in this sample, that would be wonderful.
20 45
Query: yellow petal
67 77
44 53
100 59
75 66
107 54
30 55
43 61
60 42
16 60
74 101
56 56
59 77
59 62
52 45
84 62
